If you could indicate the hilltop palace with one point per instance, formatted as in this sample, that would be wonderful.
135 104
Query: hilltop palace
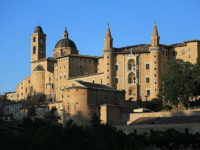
125 73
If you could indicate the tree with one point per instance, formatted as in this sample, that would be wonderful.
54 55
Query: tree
177 82
196 79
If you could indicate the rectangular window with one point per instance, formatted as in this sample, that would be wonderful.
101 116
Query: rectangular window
116 80
148 92
147 80
116 67
130 92
147 66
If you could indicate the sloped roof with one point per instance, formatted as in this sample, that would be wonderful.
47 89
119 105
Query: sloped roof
95 85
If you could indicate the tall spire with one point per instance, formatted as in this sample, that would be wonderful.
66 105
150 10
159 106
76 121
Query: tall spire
108 33
65 34
155 36
108 40
155 30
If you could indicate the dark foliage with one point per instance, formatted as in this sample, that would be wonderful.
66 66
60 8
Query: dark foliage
40 135
181 82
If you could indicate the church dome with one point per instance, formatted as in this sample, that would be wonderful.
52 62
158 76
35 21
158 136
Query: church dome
65 42
38 29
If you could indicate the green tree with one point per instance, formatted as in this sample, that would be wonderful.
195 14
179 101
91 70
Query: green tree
177 82
196 79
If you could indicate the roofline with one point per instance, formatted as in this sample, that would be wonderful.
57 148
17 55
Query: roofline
83 87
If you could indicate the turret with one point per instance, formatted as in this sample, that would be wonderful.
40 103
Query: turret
108 58
155 62
108 40
155 37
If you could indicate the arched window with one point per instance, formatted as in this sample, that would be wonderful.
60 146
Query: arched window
131 78
34 39
41 40
131 64
34 50
41 50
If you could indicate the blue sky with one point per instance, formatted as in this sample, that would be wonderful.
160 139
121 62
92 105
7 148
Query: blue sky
131 23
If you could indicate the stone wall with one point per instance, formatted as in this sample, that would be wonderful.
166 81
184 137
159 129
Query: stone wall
135 116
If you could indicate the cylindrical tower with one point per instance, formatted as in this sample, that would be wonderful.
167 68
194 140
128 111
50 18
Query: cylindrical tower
108 59
155 65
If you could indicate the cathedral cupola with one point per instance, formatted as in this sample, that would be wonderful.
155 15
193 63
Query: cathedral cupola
65 42
155 37
65 46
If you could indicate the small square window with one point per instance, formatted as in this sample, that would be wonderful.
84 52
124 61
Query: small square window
130 92
148 92
147 80
147 66
116 67
107 70
154 68
116 80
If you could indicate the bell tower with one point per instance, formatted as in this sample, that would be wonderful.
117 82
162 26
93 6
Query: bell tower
38 44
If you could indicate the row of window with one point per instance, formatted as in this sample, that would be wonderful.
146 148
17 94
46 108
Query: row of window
148 80
41 40
75 106
148 66
41 50
130 92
